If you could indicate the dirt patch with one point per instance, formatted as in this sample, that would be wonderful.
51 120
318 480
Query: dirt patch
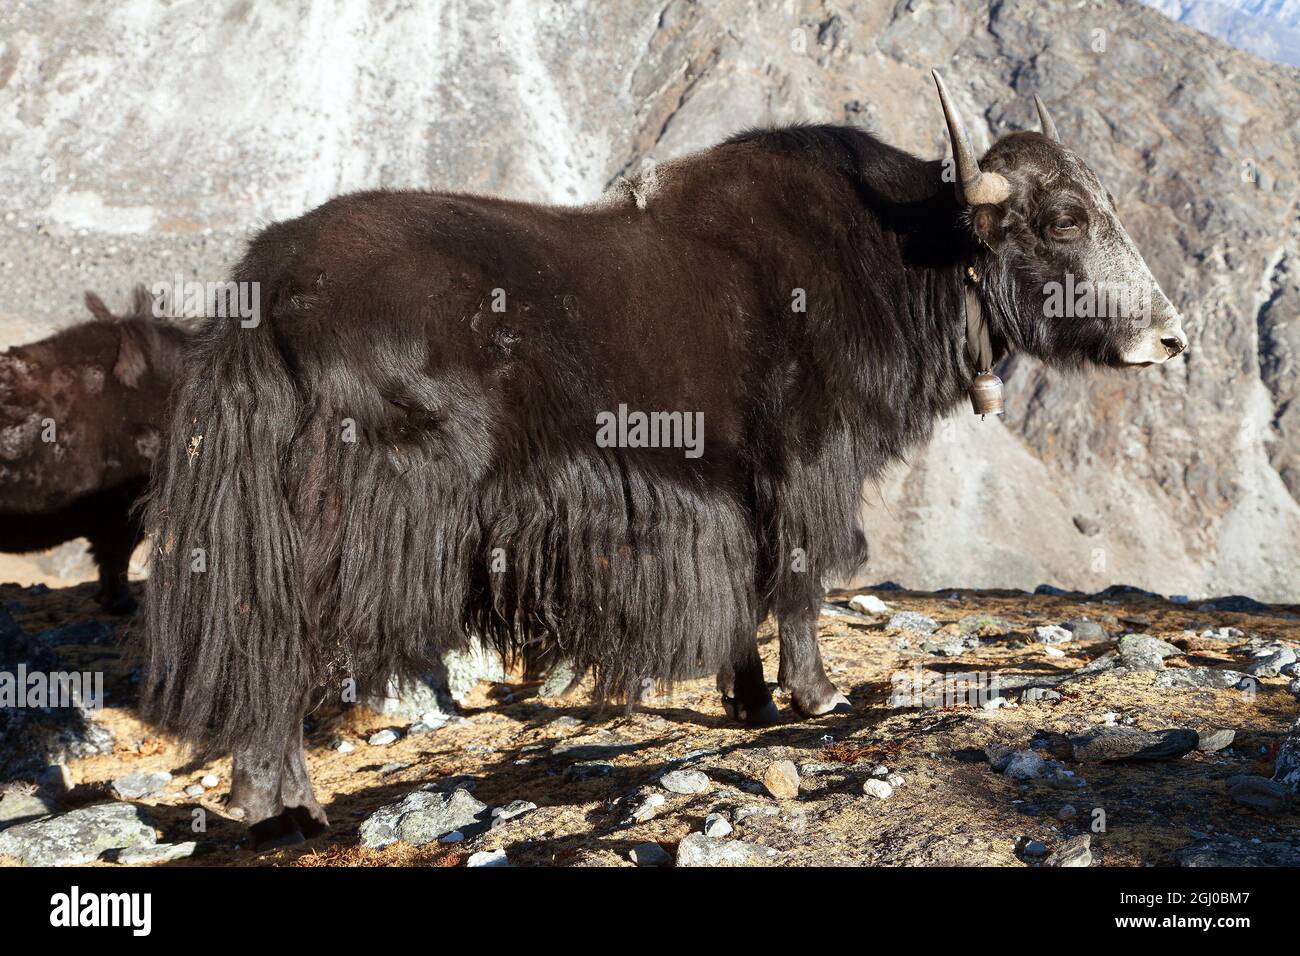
587 770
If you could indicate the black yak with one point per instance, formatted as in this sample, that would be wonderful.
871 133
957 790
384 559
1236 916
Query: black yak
82 417
626 431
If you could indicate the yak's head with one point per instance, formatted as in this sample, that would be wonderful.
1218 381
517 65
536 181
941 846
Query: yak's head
1061 271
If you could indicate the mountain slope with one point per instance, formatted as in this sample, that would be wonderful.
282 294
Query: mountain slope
140 147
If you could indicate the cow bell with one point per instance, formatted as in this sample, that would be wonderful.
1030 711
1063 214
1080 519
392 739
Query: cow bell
986 394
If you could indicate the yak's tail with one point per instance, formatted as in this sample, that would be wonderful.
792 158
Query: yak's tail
293 538
224 633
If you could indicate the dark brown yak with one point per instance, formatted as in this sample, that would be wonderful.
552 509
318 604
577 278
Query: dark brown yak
434 430
81 420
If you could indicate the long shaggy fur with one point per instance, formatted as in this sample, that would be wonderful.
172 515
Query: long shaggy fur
387 464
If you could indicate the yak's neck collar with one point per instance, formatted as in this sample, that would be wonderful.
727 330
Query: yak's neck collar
986 390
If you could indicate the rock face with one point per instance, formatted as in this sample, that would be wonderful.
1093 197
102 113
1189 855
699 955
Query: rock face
1181 478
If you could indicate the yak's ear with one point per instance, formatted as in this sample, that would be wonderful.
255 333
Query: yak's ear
132 357
97 308
988 223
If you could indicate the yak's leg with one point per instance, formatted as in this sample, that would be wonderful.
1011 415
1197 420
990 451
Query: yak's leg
255 790
295 790
801 672
745 695
112 549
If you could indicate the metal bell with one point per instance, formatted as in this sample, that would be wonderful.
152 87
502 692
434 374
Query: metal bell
986 394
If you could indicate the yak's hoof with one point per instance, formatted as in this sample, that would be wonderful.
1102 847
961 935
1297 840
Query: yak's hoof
820 704
761 715
275 832
309 825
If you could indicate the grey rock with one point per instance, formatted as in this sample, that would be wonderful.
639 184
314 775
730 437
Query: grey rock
1235 602
1141 652
1034 848
18 808
877 788
209 781
143 783
78 836
158 853
1200 678
999 756
1052 634
1272 664
868 604
1040 693
649 854
754 810
488 858
1221 851
953 648
383 738
984 625
684 782
195 790
647 808
1086 630
1025 765
912 622
1213 741
1067 813
422 728
1287 770
1099 665
716 826
1222 634
1128 743
422 817
1259 793
1077 851
560 680
1293 688
465 669
410 698
698 850
515 808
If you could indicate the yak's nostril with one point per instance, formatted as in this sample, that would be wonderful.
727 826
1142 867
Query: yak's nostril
1174 344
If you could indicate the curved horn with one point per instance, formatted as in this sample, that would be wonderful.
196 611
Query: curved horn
977 188
1045 120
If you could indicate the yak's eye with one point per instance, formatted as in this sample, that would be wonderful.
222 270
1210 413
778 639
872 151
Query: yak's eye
1064 228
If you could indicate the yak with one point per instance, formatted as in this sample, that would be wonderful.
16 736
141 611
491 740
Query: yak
625 432
82 417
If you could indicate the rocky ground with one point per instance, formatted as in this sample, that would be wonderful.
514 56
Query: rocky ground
1122 730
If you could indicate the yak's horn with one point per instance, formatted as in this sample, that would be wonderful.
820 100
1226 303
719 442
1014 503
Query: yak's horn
1045 120
977 188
